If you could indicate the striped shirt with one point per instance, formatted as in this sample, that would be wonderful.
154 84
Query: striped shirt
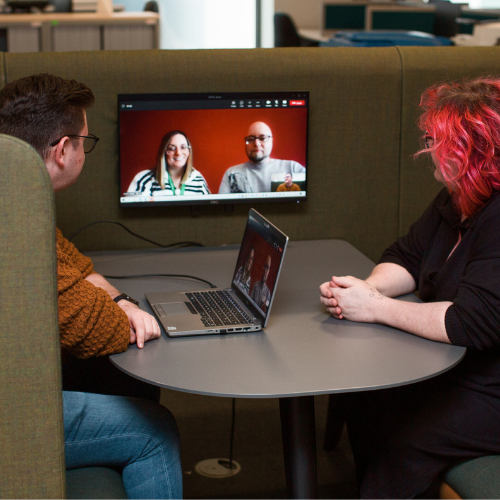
145 183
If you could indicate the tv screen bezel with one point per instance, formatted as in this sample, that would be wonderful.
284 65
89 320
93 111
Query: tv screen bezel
228 198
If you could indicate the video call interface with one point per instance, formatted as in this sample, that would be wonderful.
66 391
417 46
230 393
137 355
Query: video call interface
258 264
212 148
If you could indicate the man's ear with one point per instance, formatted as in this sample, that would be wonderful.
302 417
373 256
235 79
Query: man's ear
56 161
59 152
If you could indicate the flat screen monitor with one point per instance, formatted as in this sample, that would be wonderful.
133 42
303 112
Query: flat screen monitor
339 16
212 148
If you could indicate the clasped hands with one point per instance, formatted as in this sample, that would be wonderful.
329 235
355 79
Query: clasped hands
351 298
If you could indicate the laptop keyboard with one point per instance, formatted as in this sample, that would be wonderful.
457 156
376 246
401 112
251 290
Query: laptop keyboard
218 308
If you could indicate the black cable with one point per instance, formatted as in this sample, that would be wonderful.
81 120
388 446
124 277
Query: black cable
225 463
233 418
229 463
211 285
172 245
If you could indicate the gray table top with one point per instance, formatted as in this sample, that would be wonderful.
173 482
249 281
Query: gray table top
303 351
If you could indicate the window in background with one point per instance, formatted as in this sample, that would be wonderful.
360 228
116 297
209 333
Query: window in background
212 24
208 24
480 4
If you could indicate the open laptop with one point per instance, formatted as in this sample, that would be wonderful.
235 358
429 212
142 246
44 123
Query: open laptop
244 307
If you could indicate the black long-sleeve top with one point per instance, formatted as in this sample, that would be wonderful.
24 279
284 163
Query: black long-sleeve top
470 278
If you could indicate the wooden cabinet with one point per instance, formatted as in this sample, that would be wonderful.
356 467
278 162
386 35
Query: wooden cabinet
80 31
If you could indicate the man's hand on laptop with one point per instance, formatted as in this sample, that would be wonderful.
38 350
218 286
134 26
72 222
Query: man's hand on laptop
143 326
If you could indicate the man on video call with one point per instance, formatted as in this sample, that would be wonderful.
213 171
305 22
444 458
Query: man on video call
95 319
288 185
261 294
254 176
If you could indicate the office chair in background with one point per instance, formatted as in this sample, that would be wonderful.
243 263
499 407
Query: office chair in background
286 33
446 15
151 6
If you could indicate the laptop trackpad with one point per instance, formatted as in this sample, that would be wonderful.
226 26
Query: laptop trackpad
173 308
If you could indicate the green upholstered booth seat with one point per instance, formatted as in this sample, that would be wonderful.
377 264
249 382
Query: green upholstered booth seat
31 417
353 141
31 428
420 68
94 482
478 478
365 186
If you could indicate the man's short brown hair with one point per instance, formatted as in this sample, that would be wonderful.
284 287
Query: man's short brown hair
41 108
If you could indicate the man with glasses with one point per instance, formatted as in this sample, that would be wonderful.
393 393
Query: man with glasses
95 319
261 294
254 176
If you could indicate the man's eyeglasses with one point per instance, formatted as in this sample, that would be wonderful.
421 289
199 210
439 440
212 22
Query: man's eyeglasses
89 141
252 138
173 149
429 141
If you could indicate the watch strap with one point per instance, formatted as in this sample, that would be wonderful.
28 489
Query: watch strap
124 296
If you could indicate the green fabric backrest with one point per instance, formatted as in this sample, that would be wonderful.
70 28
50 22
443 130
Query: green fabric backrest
477 478
422 67
353 148
31 427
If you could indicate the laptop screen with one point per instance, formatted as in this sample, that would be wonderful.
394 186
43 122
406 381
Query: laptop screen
259 264
212 148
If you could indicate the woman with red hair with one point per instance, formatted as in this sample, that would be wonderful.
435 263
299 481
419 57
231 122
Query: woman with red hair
403 439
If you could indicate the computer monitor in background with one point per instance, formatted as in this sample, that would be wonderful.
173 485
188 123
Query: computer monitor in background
401 17
239 147
344 16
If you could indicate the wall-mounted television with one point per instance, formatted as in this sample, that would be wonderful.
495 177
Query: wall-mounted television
212 148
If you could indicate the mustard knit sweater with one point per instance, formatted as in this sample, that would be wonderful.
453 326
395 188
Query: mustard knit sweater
90 323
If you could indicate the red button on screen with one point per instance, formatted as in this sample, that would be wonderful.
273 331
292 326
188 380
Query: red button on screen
297 103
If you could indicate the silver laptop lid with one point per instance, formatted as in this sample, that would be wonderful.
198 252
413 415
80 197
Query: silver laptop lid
259 265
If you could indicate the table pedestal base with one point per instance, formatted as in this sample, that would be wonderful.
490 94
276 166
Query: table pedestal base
217 468
299 446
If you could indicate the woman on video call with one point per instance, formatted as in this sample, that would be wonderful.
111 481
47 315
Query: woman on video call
403 439
174 173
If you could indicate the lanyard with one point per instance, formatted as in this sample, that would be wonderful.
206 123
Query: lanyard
175 191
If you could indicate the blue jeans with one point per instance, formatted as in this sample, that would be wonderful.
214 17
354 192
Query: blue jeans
138 435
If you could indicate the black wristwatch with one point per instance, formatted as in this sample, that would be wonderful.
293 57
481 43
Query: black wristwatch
124 296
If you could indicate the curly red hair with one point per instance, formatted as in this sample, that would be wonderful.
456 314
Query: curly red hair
464 120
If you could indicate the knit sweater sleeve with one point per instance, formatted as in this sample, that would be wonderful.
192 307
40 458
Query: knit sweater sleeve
90 323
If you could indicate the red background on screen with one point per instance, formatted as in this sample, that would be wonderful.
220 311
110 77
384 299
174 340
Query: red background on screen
262 250
216 136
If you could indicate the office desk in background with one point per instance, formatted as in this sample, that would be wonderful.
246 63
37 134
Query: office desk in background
342 15
60 31
302 352
367 15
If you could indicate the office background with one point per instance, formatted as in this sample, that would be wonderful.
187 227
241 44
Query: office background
363 136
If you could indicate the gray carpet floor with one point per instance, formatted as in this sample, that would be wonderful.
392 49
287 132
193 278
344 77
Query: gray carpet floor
205 425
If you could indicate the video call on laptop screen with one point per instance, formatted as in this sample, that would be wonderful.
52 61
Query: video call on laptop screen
212 148
259 263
